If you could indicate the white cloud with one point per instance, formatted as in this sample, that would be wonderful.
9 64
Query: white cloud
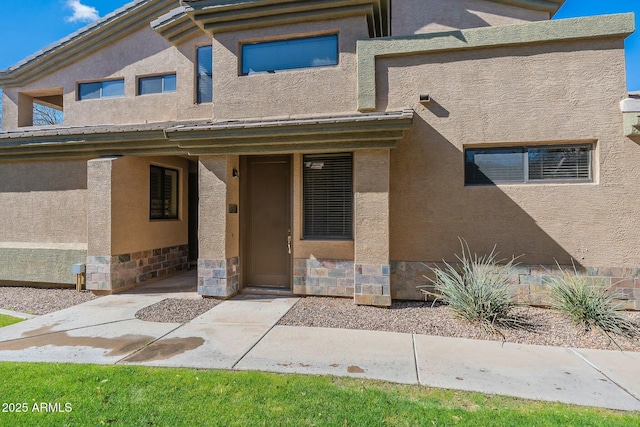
81 12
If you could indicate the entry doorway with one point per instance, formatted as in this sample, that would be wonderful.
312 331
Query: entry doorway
266 221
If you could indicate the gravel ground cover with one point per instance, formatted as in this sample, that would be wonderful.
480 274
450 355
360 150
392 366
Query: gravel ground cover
175 310
41 301
548 327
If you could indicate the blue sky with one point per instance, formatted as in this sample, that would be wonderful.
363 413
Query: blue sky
26 26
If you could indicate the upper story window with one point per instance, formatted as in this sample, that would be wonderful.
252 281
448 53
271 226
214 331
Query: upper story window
317 51
204 74
103 89
518 165
157 84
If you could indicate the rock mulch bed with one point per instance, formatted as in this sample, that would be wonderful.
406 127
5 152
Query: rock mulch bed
548 326
176 310
41 301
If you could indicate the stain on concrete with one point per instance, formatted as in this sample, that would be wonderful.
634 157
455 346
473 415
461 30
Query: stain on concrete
355 370
43 330
165 349
116 346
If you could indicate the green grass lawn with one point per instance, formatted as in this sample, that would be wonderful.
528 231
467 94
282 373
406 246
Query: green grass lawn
8 320
89 395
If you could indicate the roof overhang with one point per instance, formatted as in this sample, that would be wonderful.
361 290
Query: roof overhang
114 26
216 16
176 26
273 136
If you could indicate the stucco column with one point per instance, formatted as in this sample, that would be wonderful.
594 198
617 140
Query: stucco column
218 272
371 227
99 189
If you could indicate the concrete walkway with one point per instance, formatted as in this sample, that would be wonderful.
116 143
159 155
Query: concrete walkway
241 334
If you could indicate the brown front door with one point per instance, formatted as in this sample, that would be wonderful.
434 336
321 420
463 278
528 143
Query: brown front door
267 221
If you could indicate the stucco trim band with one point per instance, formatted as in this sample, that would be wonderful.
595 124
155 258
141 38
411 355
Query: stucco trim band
631 125
620 25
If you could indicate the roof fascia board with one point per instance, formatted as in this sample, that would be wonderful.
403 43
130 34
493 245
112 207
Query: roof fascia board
337 133
293 18
176 27
231 15
84 42
619 25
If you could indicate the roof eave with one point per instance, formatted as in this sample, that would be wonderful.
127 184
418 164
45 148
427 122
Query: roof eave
95 36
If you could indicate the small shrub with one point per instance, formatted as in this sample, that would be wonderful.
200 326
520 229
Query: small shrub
586 302
478 289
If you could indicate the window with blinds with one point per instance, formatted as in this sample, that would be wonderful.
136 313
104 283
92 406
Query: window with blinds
513 165
328 196
163 193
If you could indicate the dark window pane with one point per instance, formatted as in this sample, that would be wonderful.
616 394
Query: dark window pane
205 74
494 165
163 193
290 54
149 85
89 90
328 196
560 163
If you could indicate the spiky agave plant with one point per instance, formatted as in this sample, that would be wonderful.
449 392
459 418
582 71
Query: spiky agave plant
478 289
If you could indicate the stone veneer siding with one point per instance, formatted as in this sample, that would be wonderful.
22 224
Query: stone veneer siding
332 277
218 277
372 285
531 283
113 272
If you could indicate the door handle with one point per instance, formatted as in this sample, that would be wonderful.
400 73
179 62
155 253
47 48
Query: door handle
289 242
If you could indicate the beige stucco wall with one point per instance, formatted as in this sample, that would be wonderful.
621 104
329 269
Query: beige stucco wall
371 206
118 212
560 92
429 16
218 230
43 202
291 92
99 178
142 53
132 230
43 220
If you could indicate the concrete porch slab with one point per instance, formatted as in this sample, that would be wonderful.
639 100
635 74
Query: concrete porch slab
183 285
623 368
343 352
248 310
102 344
527 371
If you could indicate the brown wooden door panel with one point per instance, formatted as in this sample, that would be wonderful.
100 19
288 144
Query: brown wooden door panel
267 221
